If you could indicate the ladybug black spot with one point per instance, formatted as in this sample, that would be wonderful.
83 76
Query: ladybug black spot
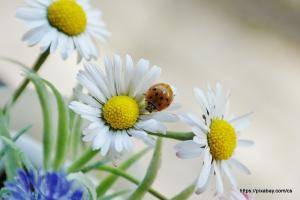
150 97
154 89
161 98
167 99
156 94
159 104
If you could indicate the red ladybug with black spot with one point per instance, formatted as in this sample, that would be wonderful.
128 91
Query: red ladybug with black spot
159 97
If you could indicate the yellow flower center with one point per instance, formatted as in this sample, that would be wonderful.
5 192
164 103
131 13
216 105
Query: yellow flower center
67 16
121 112
221 139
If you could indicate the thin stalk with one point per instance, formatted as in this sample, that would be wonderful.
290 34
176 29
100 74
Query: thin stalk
175 135
82 160
186 193
131 179
36 67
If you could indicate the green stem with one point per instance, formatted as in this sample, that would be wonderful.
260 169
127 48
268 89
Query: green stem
75 135
151 173
126 176
86 157
36 67
186 193
175 135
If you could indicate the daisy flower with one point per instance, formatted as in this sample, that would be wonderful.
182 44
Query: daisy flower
216 136
35 185
115 105
65 24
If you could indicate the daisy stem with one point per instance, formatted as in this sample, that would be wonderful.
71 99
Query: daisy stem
128 177
175 135
36 67
82 160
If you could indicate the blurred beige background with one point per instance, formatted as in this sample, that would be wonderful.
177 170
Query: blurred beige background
252 47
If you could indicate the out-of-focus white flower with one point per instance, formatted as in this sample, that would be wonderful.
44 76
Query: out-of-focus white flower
65 24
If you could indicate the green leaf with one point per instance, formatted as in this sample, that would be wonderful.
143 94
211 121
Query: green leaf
75 136
114 195
15 138
36 67
119 173
11 161
186 193
151 173
63 127
106 184
47 119
20 154
95 165
80 162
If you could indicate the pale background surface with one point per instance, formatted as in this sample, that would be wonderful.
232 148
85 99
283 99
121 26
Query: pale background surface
195 42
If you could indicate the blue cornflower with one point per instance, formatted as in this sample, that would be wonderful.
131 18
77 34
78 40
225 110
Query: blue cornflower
35 185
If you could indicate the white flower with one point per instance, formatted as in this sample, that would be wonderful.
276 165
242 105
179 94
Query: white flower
216 136
115 105
65 24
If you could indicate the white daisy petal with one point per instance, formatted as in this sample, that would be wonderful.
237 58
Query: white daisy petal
193 120
152 75
109 69
186 145
230 176
33 36
239 166
30 13
107 144
128 73
118 142
219 182
199 133
188 149
127 143
201 141
138 77
101 138
142 135
90 137
241 122
84 109
174 106
97 76
205 172
200 96
161 116
90 86
152 126
118 73
46 40
87 99
245 143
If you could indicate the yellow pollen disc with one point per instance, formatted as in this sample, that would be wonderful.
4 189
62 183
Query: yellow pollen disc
67 16
221 139
121 112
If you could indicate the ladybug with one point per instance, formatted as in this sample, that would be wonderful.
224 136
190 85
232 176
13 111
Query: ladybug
158 97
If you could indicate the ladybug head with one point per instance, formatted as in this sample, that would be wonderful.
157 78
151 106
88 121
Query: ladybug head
150 107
